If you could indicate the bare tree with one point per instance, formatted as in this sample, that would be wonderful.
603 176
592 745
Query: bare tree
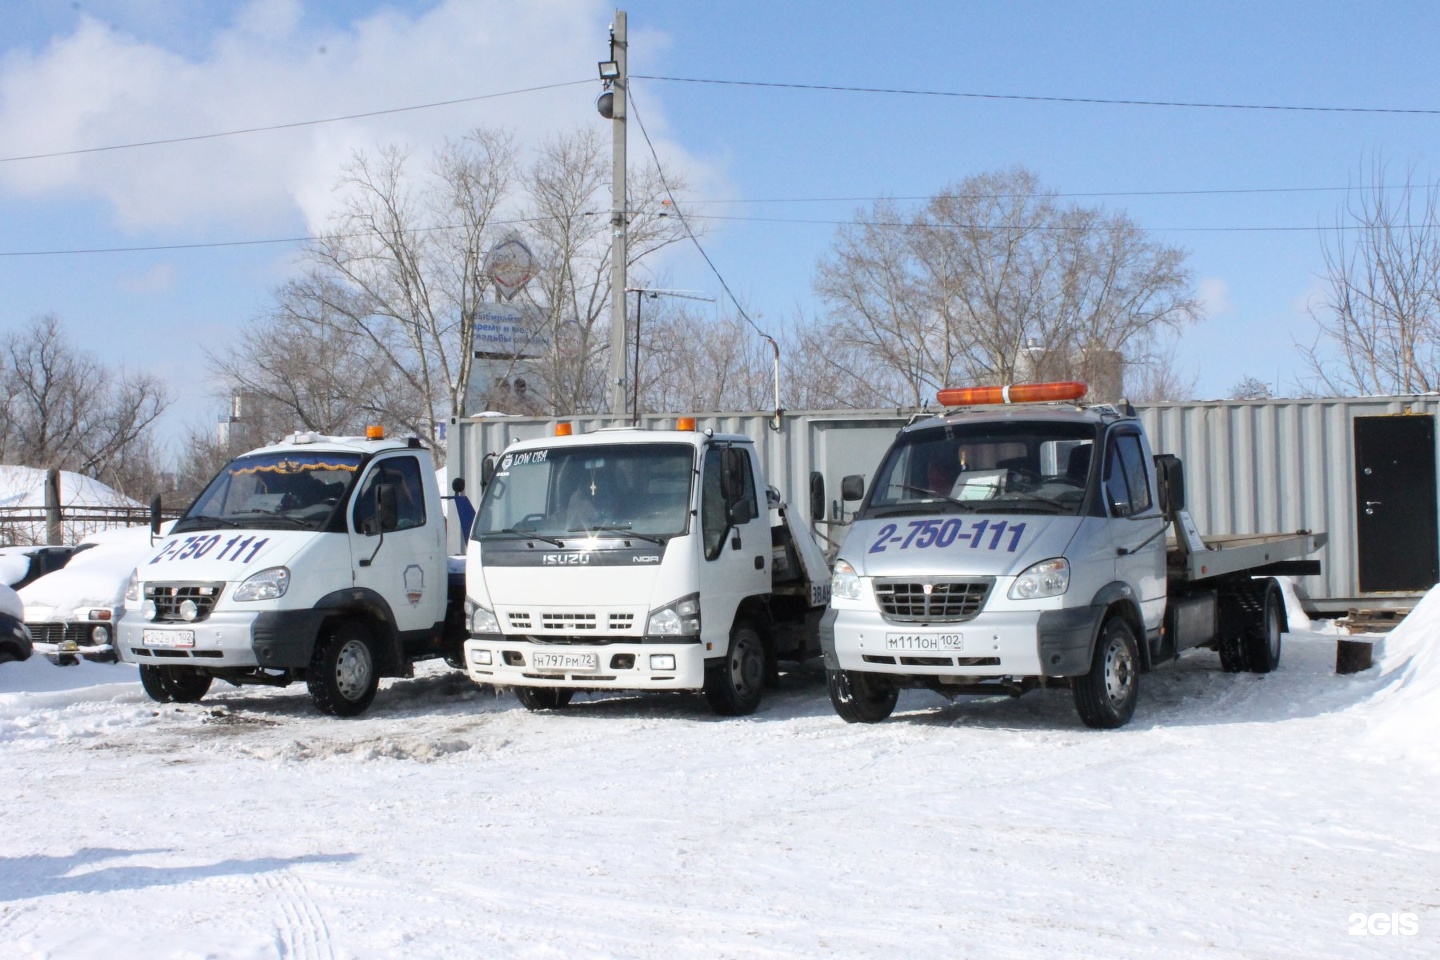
1381 311
994 280
1249 388
66 409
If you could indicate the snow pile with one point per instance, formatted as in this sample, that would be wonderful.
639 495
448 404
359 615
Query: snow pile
14 565
1408 707
10 603
25 487
95 577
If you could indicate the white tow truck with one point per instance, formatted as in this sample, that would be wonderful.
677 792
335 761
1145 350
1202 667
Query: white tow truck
318 558
1007 547
637 559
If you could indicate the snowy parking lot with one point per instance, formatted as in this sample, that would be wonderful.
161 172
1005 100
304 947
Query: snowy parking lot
1238 815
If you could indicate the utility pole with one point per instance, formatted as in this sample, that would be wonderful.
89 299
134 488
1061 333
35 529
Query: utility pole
619 221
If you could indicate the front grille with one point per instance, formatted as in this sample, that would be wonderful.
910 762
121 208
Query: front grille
53 632
169 597
932 601
622 621
567 621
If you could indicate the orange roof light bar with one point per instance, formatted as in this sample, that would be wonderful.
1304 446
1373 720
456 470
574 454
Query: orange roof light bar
1018 393
374 432
563 428
685 423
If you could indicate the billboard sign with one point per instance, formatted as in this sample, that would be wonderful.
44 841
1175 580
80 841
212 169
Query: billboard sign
507 330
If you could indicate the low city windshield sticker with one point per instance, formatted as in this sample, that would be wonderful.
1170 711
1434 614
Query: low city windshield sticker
942 533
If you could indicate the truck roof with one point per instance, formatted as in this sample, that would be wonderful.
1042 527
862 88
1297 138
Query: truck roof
628 435
318 443
1053 412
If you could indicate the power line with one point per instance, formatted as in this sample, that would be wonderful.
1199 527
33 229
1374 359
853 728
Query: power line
287 126
1100 101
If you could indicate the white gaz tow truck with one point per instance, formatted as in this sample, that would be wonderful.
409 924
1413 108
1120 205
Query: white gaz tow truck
1019 541
318 558
636 559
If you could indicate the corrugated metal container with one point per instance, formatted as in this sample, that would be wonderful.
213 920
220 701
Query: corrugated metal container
1261 466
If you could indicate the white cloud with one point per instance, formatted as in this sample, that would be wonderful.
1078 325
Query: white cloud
99 86
1214 295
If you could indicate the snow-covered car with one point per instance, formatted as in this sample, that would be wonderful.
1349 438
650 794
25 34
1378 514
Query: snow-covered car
14 635
73 612
20 566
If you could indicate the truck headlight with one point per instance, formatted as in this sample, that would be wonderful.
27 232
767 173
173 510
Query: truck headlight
480 619
679 618
266 585
1048 578
132 589
845 582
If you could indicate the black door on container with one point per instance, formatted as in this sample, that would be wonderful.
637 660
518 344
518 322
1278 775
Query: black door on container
1395 526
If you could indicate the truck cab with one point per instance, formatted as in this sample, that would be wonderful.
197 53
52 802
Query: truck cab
319 559
636 559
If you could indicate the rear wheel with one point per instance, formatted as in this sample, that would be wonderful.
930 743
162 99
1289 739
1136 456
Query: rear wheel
734 683
1262 634
1105 697
861 697
543 698
342 676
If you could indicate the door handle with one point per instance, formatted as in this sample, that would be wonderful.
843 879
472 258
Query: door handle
759 563
1369 504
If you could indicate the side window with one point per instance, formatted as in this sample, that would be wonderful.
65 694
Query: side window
403 473
1127 480
712 504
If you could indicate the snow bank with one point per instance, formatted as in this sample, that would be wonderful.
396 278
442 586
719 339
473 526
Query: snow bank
1407 709
25 487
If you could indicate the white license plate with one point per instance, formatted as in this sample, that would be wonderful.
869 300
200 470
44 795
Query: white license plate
924 641
565 662
169 638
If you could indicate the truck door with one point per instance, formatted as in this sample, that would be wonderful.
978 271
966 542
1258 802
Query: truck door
736 562
403 563
1137 525
1395 513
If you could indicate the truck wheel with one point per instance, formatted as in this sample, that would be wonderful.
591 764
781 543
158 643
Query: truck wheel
186 684
1105 697
342 677
1262 636
861 697
543 698
734 683
153 680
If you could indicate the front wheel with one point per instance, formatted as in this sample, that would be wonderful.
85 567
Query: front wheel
861 697
1105 697
733 684
543 698
171 684
153 680
342 676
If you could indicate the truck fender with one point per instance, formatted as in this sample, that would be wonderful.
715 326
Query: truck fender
1067 636
370 606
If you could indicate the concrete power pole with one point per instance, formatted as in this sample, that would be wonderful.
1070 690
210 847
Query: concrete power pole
618 222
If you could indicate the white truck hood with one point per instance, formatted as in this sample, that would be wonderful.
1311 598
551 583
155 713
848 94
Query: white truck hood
531 573
993 545
223 555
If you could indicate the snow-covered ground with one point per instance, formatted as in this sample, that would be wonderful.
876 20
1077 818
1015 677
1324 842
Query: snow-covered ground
1237 816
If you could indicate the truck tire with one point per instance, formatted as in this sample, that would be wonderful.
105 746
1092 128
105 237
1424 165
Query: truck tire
543 698
734 683
153 680
342 677
861 697
1105 697
1262 634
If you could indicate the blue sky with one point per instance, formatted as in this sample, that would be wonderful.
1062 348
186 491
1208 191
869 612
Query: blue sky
1242 190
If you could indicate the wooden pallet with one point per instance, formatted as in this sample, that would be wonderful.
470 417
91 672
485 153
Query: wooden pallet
1371 621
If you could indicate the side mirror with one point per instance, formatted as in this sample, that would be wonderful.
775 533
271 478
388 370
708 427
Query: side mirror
457 486
155 515
1170 478
817 496
741 511
733 465
852 488
487 470
387 511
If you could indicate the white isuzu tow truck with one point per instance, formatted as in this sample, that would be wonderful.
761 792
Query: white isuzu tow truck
1005 548
637 559
319 559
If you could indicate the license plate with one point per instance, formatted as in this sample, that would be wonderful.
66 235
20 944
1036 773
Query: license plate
169 638
565 662
924 641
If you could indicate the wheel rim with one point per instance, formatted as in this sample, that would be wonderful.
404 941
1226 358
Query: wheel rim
746 666
352 670
1119 671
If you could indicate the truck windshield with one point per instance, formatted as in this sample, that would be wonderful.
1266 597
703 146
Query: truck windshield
989 467
639 489
285 490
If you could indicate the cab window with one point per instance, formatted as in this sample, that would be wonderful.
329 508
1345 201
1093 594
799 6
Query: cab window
403 473
1127 481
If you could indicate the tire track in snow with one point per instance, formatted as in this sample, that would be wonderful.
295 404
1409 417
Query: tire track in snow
300 930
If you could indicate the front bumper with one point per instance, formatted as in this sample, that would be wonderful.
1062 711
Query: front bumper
619 666
273 640
994 644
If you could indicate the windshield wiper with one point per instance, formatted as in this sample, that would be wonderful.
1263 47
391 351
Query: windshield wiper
530 535
206 518
269 515
620 528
